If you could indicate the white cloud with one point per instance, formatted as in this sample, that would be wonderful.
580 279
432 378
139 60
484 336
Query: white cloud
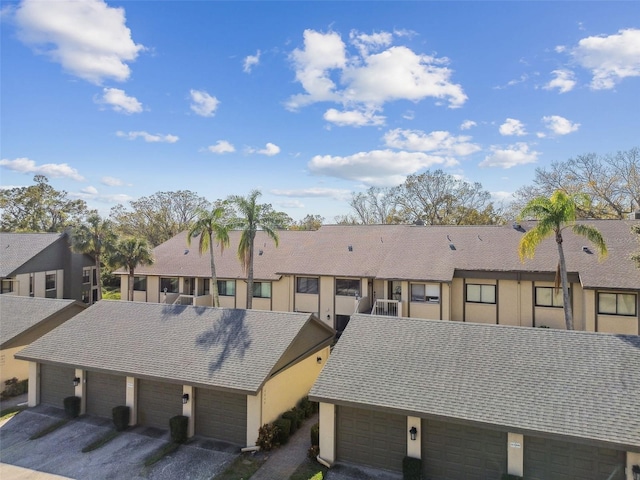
559 125
513 155
269 150
353 118
251 61
111 181
291 204
523 78
564 81
610 58
314 192
203 104
221 146
502 197
148 137
119 101
90 190
89 39
438 142
25 165
377 167
511 126
368 80
468 124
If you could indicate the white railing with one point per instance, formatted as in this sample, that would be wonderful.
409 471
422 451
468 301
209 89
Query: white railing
389 308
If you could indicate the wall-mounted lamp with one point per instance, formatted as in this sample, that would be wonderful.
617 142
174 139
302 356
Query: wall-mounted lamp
635 470
328 316
76 381
319 359
185 398
413 431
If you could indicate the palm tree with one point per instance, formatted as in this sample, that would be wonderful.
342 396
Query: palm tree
252 217
96 237
554 214
211 227
129 253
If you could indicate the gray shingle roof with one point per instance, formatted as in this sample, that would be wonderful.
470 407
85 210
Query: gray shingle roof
577 384
407 252
225 348
20 314
18 248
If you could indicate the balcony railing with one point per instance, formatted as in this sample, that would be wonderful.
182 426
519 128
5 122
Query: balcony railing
389 308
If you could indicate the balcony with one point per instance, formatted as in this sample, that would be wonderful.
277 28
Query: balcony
387 308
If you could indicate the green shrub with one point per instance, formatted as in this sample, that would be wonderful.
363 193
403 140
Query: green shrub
121 415
15 387
295 417
72 406
508 476
283 426
305 406
179 426
313 452
267 437
411 468
315 434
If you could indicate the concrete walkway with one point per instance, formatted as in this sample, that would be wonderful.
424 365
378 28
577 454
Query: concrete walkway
282 462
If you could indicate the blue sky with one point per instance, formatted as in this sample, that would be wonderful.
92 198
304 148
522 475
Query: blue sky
309 101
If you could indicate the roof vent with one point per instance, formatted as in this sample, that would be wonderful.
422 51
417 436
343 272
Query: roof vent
260 252
586 249
350 247
516 226
452 246
186 250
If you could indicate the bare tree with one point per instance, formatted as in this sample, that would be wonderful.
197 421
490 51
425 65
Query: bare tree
375 206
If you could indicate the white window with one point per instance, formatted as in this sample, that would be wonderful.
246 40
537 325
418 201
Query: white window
481 293
421 292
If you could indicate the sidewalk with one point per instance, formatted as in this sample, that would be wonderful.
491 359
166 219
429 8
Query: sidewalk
283 461
14 401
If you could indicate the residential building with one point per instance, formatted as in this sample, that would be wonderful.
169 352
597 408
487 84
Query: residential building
458 273
478 401
24 320
230 371
44 265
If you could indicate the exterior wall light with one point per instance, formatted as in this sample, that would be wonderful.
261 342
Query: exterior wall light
76 381
185 398
635 470
319 359
413 431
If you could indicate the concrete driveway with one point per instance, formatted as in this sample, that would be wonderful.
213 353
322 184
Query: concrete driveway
59 452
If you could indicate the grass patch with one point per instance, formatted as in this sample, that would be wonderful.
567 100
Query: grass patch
49 429
101 441
242 467
309 470
160 453
111 294
7 413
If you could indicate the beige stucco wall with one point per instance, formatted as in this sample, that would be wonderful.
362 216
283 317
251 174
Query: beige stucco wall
633 458
283 391
254 418
227 301
281 295
457 299
241 294
327 423
618 324
10 367
445 300
589 308
22 285
414 447
327 306
515 454
33 395
425 310
510 303
261 304
307 302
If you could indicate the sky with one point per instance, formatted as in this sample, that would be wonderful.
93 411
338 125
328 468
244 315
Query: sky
309 101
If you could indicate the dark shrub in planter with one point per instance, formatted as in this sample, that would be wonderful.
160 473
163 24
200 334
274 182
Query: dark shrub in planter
267 437
120 416
284 430
72 406
313 452
179 426
293 415
315 434
411 468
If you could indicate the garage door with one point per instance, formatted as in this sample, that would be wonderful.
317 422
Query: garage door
105 391
158 402
451 452
56 383
556 460
371 438
221 415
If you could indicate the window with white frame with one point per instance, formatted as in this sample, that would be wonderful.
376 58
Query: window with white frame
421 292
262 290
624 304
307 285
478 293
549 297
169 284
227 288
347 287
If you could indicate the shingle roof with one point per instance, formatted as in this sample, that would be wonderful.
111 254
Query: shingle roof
225 348
577 384
17 248
20 314
407 252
